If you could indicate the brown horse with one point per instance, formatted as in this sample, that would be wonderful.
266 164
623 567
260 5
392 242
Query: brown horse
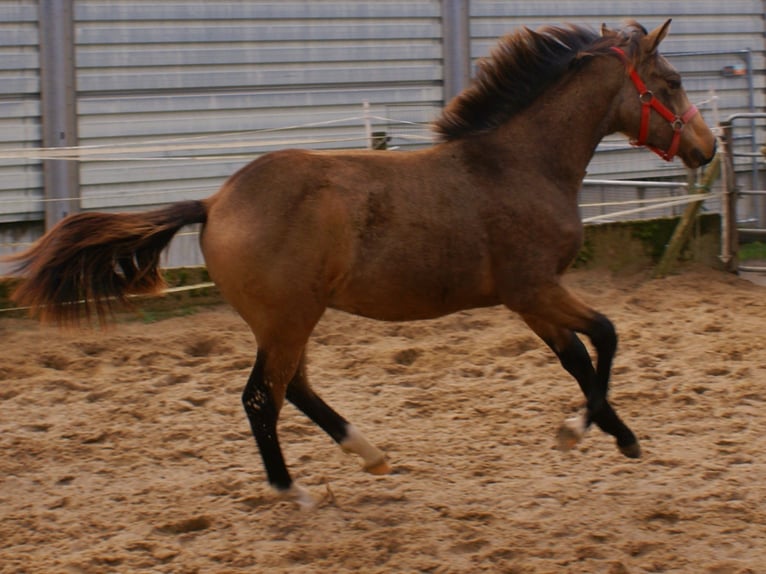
487 216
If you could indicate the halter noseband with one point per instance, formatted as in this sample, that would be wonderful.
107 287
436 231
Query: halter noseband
649 103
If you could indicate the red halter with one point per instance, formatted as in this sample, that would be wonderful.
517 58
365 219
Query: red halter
649 102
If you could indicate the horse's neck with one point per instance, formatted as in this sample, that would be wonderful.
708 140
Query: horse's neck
561 130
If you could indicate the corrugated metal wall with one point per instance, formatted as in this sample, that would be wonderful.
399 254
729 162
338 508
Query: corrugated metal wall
20 179
207 74
215 72
194 89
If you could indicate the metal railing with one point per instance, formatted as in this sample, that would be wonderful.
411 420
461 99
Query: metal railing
733 223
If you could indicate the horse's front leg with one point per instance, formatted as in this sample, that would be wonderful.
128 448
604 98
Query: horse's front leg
555 322
575 359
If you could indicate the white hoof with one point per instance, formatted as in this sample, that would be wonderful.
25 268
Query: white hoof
374 461
297 493
571 432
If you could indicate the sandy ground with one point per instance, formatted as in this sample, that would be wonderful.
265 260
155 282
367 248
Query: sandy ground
129 451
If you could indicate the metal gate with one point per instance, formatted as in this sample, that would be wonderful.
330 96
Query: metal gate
743 206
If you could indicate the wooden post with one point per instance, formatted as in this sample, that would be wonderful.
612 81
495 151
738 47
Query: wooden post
729 235
686 224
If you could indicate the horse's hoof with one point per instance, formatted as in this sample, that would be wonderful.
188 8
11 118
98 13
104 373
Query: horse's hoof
296 493
632 450
378 468
570 433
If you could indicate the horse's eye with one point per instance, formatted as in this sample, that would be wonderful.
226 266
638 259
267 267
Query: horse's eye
674 83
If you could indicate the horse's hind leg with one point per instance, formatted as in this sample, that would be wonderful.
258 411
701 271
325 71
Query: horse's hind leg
300 393
556 319
263 398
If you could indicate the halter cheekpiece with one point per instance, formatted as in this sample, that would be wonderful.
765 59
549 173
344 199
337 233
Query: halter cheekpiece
649 103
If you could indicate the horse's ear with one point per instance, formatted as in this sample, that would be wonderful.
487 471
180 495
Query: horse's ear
606 32
653 38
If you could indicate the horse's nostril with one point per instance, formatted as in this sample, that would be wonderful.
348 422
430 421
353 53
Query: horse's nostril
715 149
700 158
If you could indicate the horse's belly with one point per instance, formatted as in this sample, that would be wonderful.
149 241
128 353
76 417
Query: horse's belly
405 298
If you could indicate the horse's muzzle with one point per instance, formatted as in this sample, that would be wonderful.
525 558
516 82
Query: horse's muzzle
700 157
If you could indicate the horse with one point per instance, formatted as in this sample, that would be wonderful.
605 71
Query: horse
486 216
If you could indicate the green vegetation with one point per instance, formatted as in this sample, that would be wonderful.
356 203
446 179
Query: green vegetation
754 250
154 314
636 245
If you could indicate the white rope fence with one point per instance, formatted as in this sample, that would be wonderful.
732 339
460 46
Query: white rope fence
204 143
655 204
167 291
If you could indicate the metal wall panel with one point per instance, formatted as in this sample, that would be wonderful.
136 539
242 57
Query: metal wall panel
211 75
20 179
706 38
228 70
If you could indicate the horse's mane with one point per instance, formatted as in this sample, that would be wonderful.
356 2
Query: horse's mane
519 69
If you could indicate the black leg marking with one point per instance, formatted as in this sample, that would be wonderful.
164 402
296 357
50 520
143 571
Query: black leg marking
594 384
299 393
576 361
306 400
261 409
604 337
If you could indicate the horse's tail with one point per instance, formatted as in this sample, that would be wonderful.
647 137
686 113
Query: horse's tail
89 261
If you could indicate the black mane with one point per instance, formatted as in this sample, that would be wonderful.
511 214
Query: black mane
522 66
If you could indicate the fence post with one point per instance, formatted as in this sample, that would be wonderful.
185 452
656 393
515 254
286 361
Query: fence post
729 236
456 37
685 224
59 113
